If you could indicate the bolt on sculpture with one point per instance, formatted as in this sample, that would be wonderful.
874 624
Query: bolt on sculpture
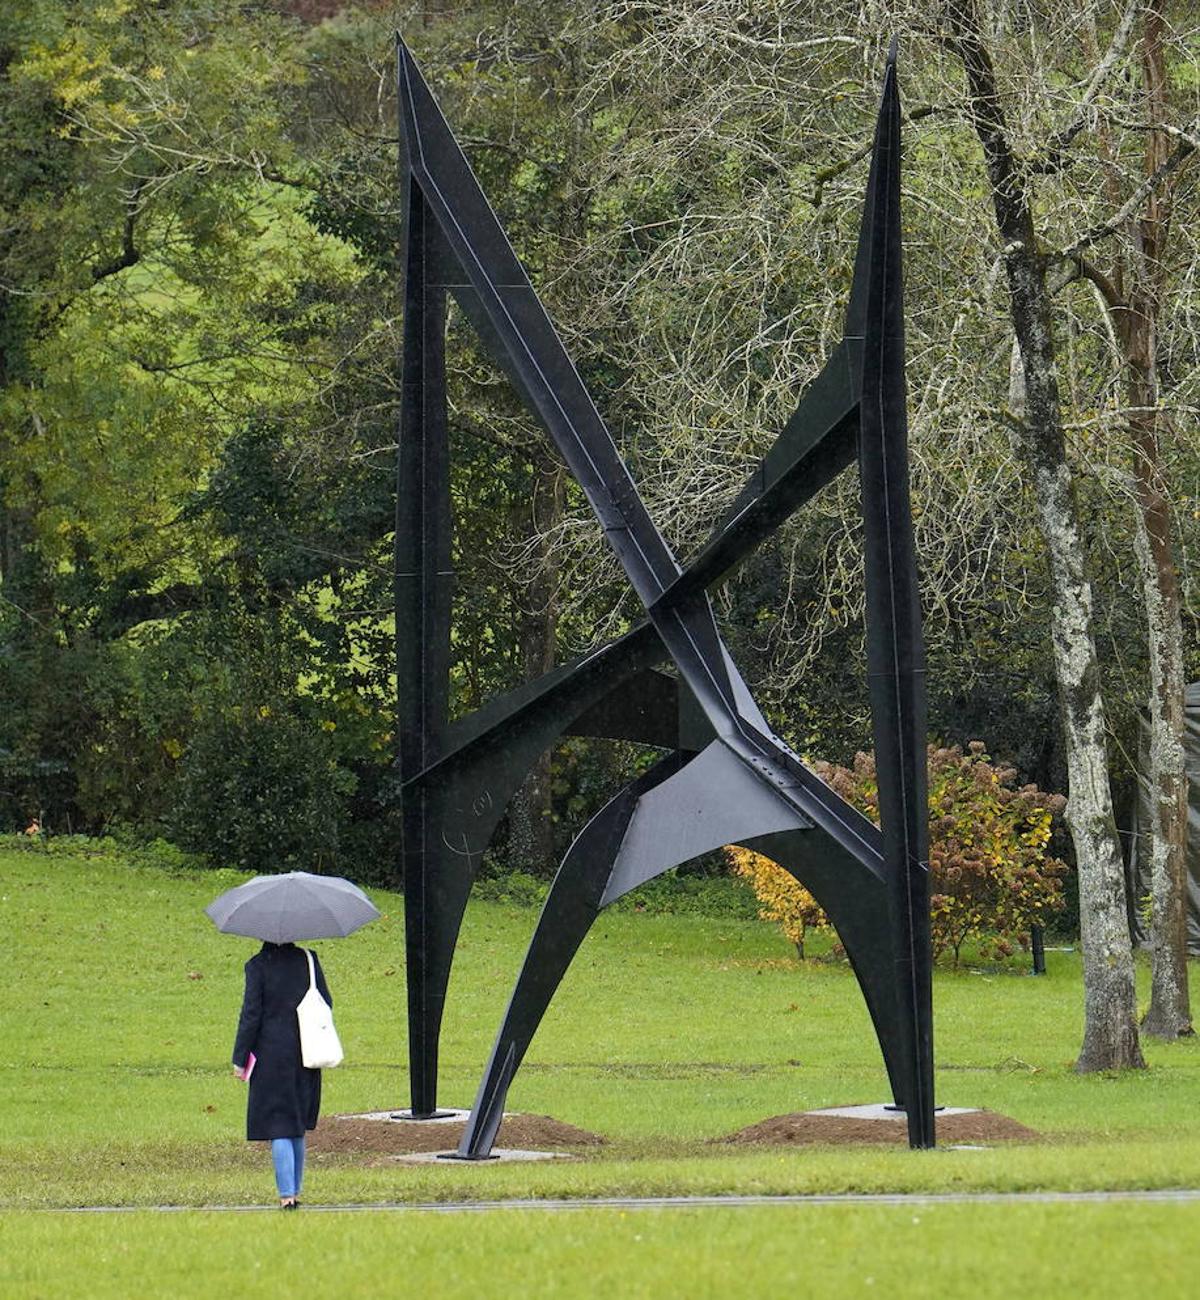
727 777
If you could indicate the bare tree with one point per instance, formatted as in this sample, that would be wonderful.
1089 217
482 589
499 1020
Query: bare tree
1139 182
1133 295
1110 1028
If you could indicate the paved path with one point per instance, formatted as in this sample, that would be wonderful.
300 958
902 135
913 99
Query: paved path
1170 1195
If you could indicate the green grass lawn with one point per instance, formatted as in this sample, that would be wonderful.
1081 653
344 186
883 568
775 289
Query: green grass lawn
116 1023
983 1252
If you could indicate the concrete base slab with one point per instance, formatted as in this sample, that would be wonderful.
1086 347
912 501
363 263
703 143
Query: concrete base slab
500 1155
453 1115
885 1111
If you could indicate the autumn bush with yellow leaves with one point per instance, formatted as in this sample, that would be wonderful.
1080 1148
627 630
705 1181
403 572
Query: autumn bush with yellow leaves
993 877
781 897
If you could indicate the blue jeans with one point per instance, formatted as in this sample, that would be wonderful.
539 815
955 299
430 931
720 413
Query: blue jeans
287 1154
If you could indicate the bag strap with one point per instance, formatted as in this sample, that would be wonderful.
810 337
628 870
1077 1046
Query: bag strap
312 978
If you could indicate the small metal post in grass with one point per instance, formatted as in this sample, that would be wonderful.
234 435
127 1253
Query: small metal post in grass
1037 944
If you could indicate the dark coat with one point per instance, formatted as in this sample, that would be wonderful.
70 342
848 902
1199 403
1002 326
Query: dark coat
285 1098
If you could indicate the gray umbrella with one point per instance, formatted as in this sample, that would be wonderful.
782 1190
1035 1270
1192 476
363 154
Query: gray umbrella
292 906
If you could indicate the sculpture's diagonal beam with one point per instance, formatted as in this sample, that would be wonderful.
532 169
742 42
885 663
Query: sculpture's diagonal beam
548 379
556 393
819 440
816 444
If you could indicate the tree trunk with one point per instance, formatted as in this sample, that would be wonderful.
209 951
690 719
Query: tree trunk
1110 1024
1169 1015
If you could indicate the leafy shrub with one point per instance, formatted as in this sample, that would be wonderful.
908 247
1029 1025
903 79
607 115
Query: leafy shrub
516 887
159 854
781 896
679 893
261 791
992 878
67 846
162 855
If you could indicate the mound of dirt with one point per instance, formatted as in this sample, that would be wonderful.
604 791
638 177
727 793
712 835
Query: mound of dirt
352 1135
809 1129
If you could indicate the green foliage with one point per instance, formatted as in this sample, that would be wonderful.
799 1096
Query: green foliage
674 894
681 894
260 792
514 888
177 305
155 855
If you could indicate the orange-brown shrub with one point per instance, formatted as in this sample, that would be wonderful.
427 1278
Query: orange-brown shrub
993 878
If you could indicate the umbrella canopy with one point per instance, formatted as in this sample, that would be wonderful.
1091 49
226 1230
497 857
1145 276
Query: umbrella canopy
293 906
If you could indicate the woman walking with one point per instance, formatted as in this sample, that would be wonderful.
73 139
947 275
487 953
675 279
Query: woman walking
285 1098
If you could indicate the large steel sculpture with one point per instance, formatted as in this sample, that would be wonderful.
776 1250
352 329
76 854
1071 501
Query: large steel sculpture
726 778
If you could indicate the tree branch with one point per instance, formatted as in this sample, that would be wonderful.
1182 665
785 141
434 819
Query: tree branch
1186 135
130 254
1069 269
1183 150
1053 157
832 172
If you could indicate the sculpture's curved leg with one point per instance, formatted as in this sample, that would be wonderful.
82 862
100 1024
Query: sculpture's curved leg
856 902
676 811
571 906
451 809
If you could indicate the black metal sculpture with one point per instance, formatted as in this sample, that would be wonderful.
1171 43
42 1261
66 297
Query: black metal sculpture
727 777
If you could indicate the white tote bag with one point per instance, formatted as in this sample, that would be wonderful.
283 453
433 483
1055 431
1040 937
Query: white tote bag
320 1047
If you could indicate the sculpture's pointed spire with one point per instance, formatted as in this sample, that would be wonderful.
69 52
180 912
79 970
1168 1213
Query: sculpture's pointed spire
883 194
895 657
